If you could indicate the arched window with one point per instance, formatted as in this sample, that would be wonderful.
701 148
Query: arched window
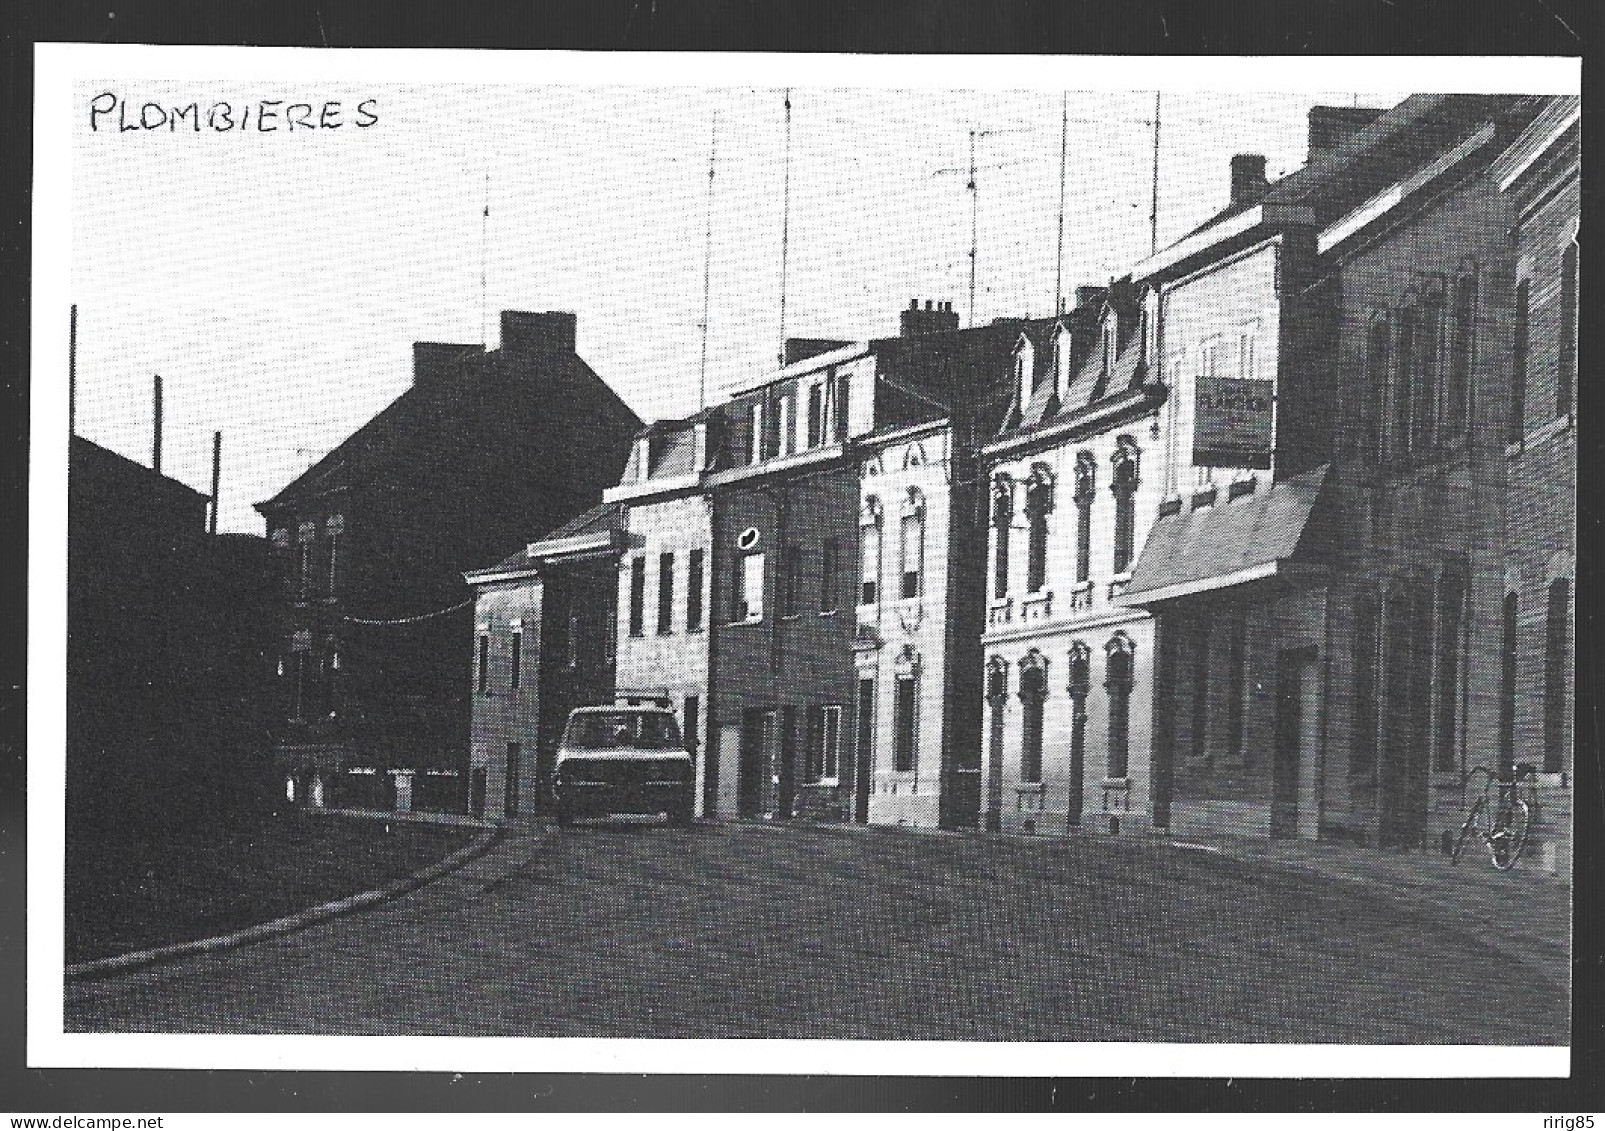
1038 505
913 545
1086 485
1033 693
1125 490
1509 647
1404 370
997 701
1424 388
1518 365
1462 350
1119 675
1080 668
869 551
1557 651
1377 359
1566 371
1446 669
1002 520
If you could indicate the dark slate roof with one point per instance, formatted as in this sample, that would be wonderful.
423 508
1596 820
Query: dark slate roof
95 459
603 518
1202 547
482 391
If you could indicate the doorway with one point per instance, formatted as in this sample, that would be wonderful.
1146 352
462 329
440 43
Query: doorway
752 775
1294 808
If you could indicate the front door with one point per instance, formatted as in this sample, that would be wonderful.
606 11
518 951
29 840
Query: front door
752 780
863 750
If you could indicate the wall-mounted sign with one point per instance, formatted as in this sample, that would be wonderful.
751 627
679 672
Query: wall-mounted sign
1232 424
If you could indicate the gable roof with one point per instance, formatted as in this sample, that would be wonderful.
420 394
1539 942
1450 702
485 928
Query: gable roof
602 525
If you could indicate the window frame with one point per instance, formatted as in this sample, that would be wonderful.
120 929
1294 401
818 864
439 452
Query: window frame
695 580
637 596
665 592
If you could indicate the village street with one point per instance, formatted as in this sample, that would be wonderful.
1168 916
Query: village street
751 930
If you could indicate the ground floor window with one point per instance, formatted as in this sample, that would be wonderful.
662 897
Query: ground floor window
904 721
866 721
1033 698
824 743
1507 688
1118 682
1451 606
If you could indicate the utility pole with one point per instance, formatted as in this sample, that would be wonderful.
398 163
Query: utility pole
785 231
156 432
1064 139
707 270
484 248
1153 214
217 468
974 213
72 373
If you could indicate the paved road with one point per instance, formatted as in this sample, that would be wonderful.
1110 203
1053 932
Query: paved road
746 930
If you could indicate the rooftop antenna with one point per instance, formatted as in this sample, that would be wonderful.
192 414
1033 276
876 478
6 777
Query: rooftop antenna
156 432
785 230
484 244
217 468
1064 138
1153 213
970 186
72 372
707 270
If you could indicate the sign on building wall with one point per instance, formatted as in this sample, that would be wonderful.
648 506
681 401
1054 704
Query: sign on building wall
1233 422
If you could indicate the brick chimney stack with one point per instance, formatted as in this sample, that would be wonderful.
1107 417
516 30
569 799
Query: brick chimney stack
1087 296
1248 179
526 332
936 318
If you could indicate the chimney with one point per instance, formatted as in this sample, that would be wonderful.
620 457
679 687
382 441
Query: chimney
936 318
526 332
1248 178
1331 126
1087 296
433 362
156 430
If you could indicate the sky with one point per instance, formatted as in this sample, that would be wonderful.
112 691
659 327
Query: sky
276 281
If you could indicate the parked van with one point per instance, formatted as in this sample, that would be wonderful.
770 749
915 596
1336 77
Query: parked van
624 759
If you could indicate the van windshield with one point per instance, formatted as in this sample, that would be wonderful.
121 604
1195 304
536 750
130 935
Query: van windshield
608 730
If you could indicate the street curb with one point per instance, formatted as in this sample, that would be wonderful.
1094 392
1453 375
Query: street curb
100 967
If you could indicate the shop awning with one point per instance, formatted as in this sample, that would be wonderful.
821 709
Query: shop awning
1242 540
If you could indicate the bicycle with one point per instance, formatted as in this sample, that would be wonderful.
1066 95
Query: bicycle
1500 820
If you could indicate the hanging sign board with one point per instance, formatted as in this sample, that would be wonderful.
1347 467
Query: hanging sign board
1232 422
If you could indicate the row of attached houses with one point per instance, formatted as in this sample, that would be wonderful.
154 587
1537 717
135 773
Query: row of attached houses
1271 536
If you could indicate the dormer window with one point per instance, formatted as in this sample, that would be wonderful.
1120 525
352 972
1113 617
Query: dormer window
1108 344
1025 371
756 420
1061 362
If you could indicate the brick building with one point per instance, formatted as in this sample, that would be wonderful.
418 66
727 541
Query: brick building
373 540
1539 175
1074 486
1324 570
543 645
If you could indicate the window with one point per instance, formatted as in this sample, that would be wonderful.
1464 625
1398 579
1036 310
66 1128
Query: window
517 659
637 596
665 593
790 579
1424 388
997 698
1245 356
1363 743
304 566
1118 679
1125 492
1038 504
335 527
869 553
913 545
1518 366
904 710
816 415
1557 650
1462 348
1377 358
829 575
1086 479
576 636
1002 519
693 591
1080 685
1566 370
1033 694
787 440
755 421
844 387
1446 672
866 722
484 664
1200 691
824 742
748 574
1507 687
1403 371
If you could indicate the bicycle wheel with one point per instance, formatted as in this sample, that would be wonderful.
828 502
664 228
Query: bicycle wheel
1510 836
1467 830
